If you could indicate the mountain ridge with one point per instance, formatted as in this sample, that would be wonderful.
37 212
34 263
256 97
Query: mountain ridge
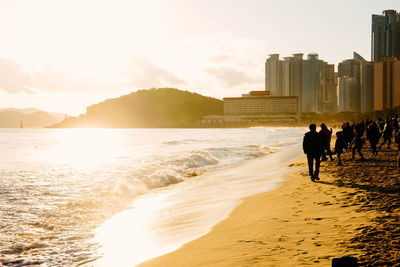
11 118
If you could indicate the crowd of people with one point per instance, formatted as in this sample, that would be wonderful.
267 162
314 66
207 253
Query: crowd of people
351 137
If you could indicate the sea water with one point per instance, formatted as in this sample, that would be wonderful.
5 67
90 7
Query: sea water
120 196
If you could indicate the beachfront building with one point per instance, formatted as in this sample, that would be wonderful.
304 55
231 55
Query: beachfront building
257 106
292 75
386 84
348 94
329 85
273 75
367 87
261 105
396 84
349 85
311 80
311 97
385 35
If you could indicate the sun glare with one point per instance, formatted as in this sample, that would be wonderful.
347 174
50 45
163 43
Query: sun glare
90 37
86 148
128 237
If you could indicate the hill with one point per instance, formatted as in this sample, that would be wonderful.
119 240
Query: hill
162 107
26 111
11 118
29 111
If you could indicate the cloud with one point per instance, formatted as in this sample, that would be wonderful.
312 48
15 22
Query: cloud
220 58
52 79
216 64
144 73
13 78
231 77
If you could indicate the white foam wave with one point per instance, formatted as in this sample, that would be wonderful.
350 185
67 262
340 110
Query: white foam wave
164 172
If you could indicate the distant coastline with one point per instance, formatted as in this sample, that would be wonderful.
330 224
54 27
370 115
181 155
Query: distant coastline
27 118
174 108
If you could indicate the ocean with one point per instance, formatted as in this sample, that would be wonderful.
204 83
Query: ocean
117 197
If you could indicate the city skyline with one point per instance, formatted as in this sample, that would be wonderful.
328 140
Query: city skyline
65 56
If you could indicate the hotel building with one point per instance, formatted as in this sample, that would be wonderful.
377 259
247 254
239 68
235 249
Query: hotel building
257 106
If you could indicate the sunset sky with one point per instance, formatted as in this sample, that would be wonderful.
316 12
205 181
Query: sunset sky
62 56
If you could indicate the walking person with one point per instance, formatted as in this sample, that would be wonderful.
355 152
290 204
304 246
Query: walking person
340 144
387 134
348 134
326 136
396 126
373 136
358 143
312 146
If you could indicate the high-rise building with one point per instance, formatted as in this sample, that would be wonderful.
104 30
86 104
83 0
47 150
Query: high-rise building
311 80
311 96
386 95
285 76
349 85
385 35
296 75
291 75
358 57
396 84
348 94
273 75
367 87
329 96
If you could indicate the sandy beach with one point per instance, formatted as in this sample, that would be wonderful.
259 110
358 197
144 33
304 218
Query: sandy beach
300 223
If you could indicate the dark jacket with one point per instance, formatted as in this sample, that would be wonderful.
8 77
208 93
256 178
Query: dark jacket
340 144
326 136
358 141
387 131
312 143
373 134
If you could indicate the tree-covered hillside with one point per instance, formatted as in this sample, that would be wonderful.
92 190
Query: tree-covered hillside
162 107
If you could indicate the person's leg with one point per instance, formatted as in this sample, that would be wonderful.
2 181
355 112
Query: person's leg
353 152
323 156
373 147
317 163
389 142
380 146
329 152
339 163
310 164
359 153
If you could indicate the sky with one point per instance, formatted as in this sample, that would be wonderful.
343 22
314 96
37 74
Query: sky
62 56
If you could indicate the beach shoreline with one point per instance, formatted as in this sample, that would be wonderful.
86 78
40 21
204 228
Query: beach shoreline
298 223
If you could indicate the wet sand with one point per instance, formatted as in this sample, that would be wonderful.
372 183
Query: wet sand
353 210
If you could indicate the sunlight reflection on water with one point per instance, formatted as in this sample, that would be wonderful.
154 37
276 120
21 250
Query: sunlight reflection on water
57 186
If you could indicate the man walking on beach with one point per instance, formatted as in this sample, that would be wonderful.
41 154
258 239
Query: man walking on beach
312 146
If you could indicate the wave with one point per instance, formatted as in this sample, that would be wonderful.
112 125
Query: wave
173 142
163 172
287 143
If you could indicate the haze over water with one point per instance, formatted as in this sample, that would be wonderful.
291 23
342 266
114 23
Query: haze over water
59 186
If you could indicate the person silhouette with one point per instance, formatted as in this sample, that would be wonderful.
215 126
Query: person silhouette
313 146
